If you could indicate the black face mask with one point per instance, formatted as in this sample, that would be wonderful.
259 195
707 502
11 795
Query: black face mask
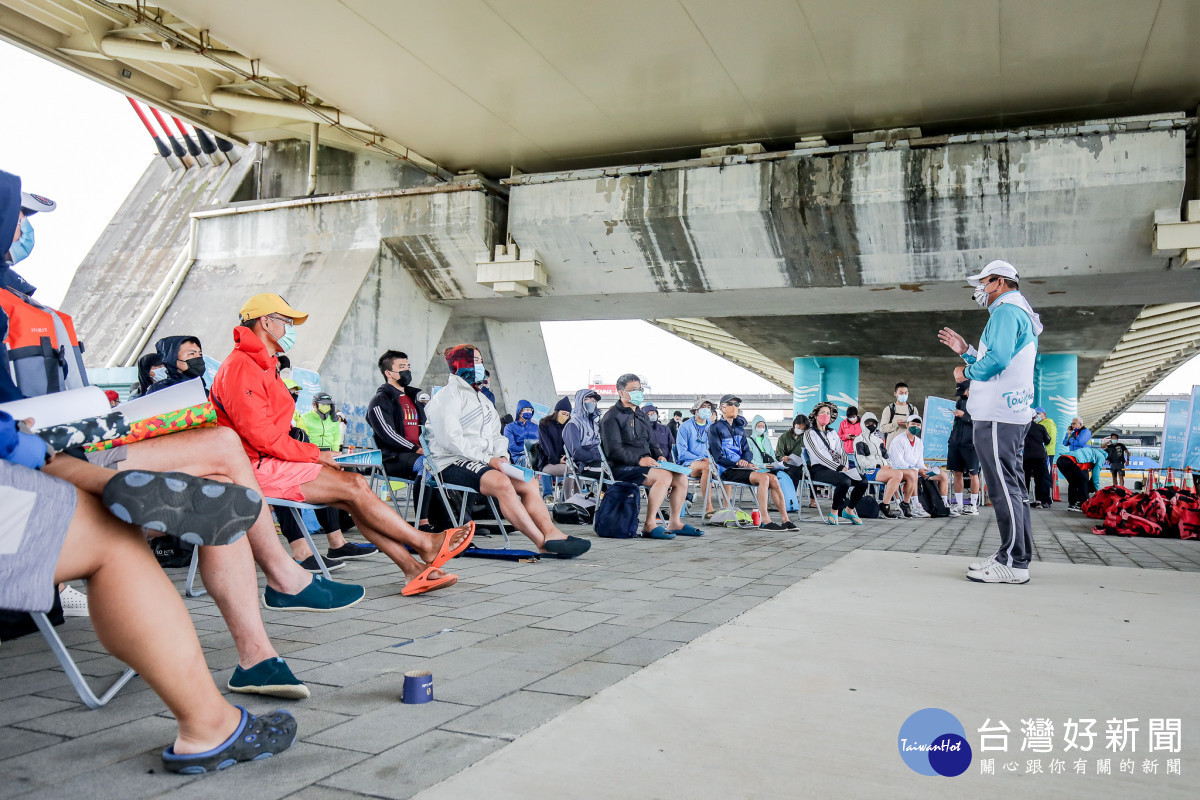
870 427
405 377
196 367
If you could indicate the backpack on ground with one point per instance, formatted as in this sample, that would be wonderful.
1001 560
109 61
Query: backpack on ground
571 514
731 518
617 514
41 350
931 501
867 507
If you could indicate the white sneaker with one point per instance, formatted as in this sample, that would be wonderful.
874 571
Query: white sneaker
917 511
74 602
976 566
970 508
953 509
998 573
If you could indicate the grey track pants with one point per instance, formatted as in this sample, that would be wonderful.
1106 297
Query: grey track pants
1000 446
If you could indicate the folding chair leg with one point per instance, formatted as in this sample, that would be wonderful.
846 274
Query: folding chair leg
311 546
189 588
73 674
499 519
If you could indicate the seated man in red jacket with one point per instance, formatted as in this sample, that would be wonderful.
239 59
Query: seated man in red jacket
251 399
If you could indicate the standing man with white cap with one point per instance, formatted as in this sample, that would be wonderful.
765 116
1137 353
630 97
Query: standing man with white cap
1001 375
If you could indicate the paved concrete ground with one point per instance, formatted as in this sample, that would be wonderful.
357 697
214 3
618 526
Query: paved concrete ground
806 694
512 646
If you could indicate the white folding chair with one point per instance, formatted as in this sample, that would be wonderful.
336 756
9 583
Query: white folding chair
69 666
431 478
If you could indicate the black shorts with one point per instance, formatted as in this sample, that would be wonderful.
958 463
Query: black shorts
962 458
401 465
737 475
462 472
634 474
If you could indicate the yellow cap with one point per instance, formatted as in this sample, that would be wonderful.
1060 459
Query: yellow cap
291 384
263 304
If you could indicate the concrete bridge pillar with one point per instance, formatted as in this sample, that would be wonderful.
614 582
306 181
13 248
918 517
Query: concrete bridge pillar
1056 388
832 379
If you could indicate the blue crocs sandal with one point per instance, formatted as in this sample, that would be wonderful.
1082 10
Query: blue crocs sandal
256 738
658 533
687 530
194 510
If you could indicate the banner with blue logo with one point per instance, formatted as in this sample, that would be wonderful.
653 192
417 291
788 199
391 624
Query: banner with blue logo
938 420
1175 433
1056 388
833 379
1191 456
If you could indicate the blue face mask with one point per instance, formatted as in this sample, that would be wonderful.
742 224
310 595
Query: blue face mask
23 246
704 414
589 407
637 397
480 374
526 414
288 340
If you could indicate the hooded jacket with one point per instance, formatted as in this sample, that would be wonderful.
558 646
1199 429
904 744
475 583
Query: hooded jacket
961 432
789 443
550 436
727 443
518 431
386 416
1036 439
168 350
462 424
662 435
692 442
1001 368
251 399
761 449
323 431
1077 439
581 435
625 433
145 379
847 430
1051 428
1087 457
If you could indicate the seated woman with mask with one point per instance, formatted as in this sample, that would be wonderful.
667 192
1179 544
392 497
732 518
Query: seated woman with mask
831 464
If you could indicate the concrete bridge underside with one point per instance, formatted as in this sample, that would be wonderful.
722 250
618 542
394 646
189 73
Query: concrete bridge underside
855 250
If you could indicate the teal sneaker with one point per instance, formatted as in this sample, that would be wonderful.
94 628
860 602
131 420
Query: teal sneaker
320 595
271 677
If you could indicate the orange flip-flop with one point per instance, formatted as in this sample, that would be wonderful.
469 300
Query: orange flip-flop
445 554
423 583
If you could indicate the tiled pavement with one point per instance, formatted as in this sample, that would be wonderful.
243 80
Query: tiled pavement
510 647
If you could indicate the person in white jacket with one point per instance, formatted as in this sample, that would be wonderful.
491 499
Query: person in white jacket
467 449
907 453
1001 375
874 465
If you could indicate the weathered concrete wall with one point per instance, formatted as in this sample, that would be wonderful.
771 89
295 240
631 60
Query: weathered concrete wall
284 171
1064 209
127 263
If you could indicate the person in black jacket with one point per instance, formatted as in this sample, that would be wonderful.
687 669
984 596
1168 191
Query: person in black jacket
633 456
1118 457
183 359
961 460
1034 463
397 418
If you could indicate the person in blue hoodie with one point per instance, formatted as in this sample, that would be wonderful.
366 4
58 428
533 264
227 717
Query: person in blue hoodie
691 445
1000 405
729 447
183 359
518 431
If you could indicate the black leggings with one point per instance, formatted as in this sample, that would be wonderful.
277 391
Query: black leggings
331 519
1079 483
841 483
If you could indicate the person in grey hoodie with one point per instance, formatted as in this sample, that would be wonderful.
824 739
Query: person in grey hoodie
581 434
1000 404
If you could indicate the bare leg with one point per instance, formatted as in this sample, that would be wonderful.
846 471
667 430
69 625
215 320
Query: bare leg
678 494
777 496
496 484
531 498
140 619
762 489
658 482
700 470
891 480
228 571
378 522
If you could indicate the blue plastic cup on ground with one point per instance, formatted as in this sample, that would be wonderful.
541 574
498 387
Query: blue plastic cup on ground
418 687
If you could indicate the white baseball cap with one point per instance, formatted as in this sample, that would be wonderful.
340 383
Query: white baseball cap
999 268
33 203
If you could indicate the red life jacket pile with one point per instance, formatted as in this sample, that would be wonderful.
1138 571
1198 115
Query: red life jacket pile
1167 512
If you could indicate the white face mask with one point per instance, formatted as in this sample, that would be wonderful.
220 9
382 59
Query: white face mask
796 429
980 296
158 374
902 398
760 431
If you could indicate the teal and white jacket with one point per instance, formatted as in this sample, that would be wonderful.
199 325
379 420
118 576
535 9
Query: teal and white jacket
1001 370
